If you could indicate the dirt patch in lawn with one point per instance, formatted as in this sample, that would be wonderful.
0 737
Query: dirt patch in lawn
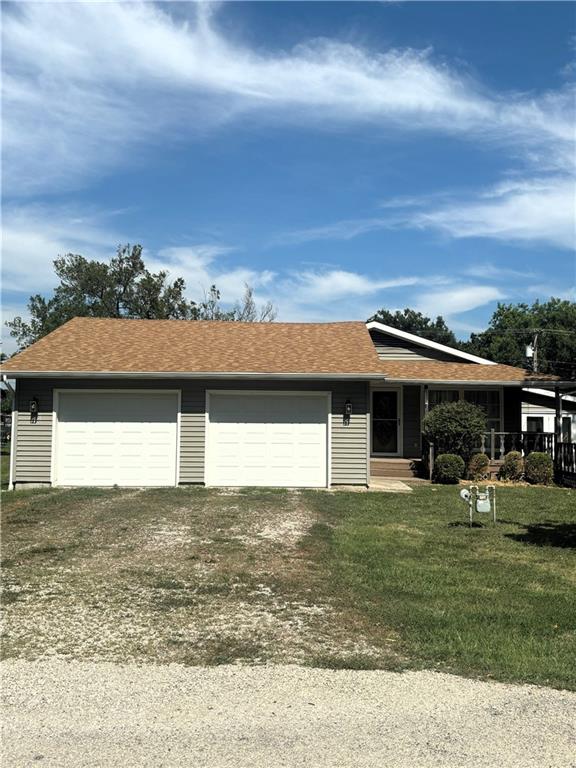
193 576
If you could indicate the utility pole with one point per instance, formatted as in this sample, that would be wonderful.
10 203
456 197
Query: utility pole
532 351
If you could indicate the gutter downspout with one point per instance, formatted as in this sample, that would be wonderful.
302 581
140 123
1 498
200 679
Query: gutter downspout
12 432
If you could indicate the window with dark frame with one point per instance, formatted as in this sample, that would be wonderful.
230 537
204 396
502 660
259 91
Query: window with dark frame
487 399
535 423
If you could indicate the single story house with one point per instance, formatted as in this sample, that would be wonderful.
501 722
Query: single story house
538 413
168 402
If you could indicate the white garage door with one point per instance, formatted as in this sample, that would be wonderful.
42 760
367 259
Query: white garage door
124 438
267 439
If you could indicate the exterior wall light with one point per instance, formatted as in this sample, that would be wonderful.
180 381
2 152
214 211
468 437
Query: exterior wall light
34 410
347 411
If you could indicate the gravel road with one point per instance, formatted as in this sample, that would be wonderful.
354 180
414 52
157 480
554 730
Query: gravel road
59 713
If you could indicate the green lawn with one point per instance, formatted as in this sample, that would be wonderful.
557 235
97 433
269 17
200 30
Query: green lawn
357 580
4 466
491 602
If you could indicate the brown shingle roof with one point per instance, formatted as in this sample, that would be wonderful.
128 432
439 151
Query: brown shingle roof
100 345
423 370
166 346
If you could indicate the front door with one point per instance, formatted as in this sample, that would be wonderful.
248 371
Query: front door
385 422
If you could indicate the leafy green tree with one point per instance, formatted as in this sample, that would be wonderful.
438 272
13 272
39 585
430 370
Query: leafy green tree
122 287
5 400
415 322
551 324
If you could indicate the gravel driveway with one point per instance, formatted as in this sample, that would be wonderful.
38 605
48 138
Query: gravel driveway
79 714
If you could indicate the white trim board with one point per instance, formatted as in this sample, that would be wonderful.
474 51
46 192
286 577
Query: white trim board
399 422
426 342
207 375
13 433
447 383
547 393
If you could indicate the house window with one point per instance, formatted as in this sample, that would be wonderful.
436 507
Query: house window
566 429
437 396
489 401
535 423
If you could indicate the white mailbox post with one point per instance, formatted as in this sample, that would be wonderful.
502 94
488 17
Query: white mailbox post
478 501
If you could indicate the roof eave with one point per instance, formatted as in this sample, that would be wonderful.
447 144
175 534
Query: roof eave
490 382
421 341
250 375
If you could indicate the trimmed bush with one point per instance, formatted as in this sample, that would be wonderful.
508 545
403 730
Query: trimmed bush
513 467
479 467
539 468
448 469
455 428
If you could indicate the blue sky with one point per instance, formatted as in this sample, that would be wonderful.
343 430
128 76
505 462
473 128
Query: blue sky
338 157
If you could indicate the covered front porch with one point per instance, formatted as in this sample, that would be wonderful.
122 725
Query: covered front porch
397 448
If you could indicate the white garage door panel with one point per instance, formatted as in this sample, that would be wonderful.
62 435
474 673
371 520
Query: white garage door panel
267 440
123 438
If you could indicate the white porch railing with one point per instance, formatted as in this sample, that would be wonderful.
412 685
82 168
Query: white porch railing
497 444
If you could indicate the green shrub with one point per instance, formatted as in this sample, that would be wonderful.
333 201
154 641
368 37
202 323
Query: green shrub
448 469
479 467
455 428
539 468
513 467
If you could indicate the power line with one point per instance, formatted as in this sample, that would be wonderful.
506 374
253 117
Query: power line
527 330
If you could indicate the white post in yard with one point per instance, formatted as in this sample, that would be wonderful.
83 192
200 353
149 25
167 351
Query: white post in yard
557 428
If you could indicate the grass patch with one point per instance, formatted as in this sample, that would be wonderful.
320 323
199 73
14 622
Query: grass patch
336 580
168 583
230 650
171 602
484 602
354 661
51 549
9 596
4 466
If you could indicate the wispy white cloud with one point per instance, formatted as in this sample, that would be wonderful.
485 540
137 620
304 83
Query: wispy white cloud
85 85
345 229
203 265
559 291
539 210
456 299
34 235
336 284
9 312
488 270
294 291
301 293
